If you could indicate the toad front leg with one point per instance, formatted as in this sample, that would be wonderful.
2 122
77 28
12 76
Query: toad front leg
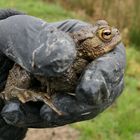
18 86
25 95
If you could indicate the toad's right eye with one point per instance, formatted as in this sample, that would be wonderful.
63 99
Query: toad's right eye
105 34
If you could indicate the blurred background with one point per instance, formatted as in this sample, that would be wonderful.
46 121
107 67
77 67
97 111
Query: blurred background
122 120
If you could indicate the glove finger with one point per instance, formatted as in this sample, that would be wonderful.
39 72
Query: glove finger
18 114
102 81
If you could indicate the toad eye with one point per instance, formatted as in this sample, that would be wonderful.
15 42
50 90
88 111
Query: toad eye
105 34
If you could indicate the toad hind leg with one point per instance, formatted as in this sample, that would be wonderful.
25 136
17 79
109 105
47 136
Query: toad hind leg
25 95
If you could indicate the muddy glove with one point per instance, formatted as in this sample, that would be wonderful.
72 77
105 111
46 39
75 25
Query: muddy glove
100 84
36 46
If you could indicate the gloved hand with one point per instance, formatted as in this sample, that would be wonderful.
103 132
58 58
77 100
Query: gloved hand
101 83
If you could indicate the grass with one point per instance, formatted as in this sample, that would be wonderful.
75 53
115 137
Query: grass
49 12
122 120
134 36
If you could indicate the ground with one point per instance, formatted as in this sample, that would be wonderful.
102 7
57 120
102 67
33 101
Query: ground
60 133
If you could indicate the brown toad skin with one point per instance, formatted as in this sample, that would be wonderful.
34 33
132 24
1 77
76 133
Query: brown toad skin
68 81
90 45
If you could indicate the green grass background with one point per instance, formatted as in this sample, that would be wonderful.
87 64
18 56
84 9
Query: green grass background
122 120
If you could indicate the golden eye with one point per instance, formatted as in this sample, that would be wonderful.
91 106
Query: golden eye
105 34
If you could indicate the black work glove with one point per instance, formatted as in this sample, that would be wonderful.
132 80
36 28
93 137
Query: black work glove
101 83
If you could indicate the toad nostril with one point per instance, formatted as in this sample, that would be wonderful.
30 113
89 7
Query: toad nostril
117 31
